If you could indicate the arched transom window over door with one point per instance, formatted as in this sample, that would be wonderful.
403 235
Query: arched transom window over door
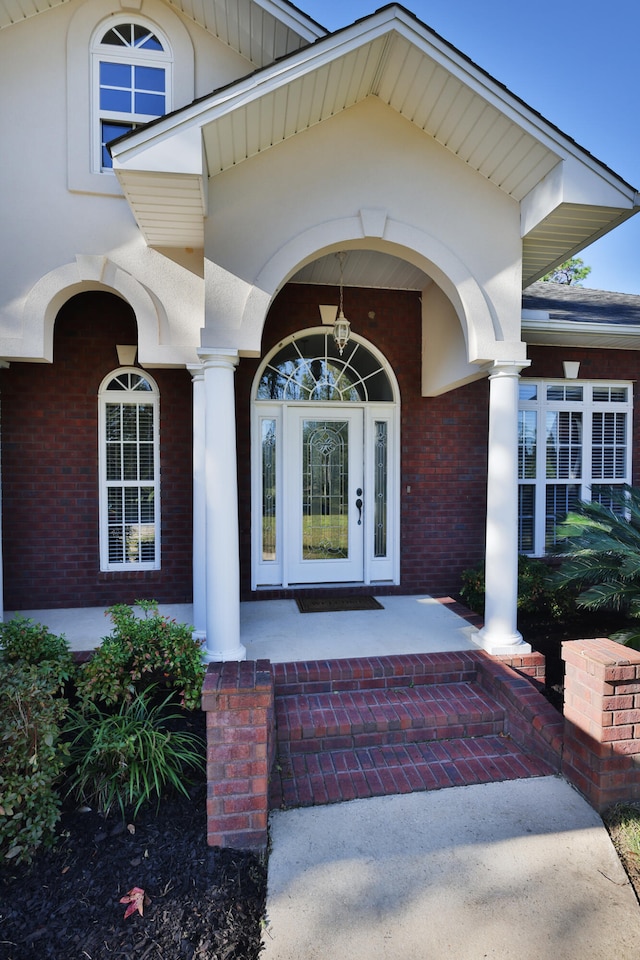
325 464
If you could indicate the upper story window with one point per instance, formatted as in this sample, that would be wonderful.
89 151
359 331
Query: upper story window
131 82
574 443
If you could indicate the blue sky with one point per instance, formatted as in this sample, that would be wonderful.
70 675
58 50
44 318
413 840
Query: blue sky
576 64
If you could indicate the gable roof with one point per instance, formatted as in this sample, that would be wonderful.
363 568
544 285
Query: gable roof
568 198
260 30
563 314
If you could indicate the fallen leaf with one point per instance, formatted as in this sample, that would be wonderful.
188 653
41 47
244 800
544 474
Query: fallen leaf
136 898
131 827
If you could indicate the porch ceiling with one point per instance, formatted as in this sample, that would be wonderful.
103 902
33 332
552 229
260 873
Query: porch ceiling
393 57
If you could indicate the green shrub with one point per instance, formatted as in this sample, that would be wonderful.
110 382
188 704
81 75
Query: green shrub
131 755
32 758
539 594
23 641
141 652
601 546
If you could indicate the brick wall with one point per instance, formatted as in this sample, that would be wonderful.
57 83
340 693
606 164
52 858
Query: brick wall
602 720
50 469
238 701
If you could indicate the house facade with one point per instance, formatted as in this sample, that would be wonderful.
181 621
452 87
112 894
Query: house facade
193 195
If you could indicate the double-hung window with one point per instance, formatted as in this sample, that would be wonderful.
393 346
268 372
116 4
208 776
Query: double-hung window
131 82
129 472
574 443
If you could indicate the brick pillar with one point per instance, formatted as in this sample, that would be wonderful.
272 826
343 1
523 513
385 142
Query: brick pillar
238 700
602 720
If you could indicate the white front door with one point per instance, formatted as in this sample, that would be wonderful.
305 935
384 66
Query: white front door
324 506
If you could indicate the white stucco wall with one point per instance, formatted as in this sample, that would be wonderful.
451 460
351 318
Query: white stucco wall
46 226
365 166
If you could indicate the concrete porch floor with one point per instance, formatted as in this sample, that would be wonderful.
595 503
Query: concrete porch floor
276 630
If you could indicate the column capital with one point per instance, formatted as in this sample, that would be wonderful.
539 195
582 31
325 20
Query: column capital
196 370
506 368
210 358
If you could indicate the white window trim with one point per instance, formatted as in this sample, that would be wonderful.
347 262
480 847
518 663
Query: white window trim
113 54
107 396
86 23
587 406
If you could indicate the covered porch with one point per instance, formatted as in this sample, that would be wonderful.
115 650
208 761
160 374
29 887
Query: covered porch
277 631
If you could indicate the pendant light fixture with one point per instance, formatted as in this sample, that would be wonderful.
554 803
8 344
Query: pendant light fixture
342 327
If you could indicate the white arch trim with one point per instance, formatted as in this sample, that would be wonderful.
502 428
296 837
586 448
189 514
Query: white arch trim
90 273
478 321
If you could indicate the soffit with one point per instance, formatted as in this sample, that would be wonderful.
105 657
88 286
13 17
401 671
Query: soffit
430 89
259 30
363 268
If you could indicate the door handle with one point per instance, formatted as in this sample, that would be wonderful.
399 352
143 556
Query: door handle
359 505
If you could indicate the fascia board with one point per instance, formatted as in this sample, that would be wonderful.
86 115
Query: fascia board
546 331
293 18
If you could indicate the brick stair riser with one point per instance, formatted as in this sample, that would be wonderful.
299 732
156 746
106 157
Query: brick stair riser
310 687
423 734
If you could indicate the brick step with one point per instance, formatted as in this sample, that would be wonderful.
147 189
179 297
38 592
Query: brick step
313 723
363 673
308 779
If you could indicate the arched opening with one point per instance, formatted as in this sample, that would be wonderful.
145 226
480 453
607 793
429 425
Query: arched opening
325 464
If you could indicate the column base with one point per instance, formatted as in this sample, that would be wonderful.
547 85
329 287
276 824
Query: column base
503 646
223 656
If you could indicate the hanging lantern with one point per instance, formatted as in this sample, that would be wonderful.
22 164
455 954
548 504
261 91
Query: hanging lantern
342 327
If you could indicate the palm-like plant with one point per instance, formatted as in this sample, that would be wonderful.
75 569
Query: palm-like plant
602 545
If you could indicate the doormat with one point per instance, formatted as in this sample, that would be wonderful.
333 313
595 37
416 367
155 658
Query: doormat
336 604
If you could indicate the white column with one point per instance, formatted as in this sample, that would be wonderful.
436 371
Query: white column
199 504
500 633
221 509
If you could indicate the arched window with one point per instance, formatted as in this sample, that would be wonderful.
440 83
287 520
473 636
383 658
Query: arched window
310 367
129 471
131 82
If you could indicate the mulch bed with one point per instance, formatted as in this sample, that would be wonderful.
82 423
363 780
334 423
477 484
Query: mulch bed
204 903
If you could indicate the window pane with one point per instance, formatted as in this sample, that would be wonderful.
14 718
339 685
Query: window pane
151 79
129 422
118 75
561 498
114 461
116 101
528 391
564 392
146 462
564 444
381 454
527 446
325 489
526 517
145 422
610 394
269 453
149 104
609 453
130 461
147 504
144 39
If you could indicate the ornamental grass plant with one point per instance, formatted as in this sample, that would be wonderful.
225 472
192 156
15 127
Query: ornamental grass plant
130 755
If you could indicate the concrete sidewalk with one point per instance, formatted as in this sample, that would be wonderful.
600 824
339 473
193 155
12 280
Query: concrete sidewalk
521 870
